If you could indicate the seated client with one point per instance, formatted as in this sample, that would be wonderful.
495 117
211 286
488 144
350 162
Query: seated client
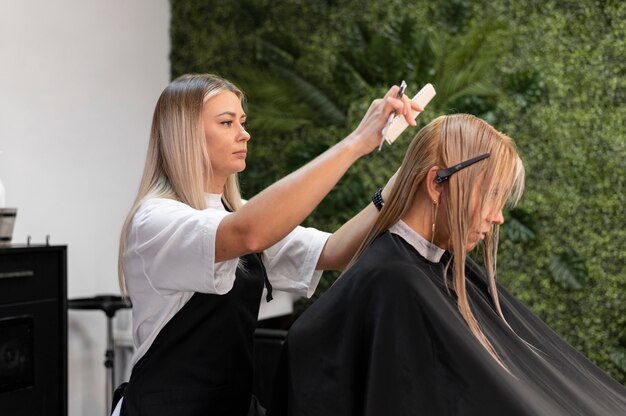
415 327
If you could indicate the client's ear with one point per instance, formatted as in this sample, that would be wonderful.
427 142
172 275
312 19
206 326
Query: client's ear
433 188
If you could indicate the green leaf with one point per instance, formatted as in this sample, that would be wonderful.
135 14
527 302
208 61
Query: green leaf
618 356
517 231
275 110
519 227
568 270
313 97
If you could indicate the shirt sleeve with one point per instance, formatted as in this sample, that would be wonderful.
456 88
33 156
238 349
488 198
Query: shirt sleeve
291 262
173 246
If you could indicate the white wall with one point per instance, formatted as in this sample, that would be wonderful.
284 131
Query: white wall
78 83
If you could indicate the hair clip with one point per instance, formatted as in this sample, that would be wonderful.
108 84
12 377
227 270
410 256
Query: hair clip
444 174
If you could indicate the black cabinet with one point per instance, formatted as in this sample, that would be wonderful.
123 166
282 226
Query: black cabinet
33 331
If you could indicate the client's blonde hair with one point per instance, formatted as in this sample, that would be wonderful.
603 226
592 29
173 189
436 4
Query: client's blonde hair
445 142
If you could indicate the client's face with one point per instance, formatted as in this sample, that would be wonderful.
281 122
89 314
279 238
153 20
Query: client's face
483 218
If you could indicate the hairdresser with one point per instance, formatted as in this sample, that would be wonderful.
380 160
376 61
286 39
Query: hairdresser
194 258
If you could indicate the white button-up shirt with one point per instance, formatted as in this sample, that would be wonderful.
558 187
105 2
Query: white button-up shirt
170 255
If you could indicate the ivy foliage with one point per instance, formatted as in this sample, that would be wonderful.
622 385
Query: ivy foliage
550 73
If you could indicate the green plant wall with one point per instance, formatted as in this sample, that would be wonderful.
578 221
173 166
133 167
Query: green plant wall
572 138
550 74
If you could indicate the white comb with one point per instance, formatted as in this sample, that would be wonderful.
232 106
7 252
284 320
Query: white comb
399 123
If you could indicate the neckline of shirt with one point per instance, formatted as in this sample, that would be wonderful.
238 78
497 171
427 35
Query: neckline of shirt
214 201
424 247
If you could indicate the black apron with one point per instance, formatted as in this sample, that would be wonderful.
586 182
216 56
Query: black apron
201 363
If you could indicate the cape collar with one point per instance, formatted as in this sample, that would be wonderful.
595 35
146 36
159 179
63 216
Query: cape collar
427 250
214 201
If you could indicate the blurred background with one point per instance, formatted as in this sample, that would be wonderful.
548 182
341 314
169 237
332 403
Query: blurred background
79 80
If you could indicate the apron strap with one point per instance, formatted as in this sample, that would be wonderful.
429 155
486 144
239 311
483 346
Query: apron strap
117 396
268 285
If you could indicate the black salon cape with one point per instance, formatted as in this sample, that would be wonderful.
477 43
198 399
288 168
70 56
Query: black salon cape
387 339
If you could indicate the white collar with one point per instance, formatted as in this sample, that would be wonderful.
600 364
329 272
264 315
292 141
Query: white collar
214 201
429 251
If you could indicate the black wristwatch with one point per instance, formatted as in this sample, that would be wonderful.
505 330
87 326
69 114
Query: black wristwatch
377 199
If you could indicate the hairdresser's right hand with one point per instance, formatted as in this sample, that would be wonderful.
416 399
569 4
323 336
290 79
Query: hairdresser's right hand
368 135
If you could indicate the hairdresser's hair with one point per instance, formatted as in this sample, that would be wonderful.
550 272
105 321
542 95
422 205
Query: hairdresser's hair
177 164
445 142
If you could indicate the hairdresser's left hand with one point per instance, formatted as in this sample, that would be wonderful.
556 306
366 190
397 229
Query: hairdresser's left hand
368 135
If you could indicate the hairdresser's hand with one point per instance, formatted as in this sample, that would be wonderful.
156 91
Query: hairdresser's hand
367 136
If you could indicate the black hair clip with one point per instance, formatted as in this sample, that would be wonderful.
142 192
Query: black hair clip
444 174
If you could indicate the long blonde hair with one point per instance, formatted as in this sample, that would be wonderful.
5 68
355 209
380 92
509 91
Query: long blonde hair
445 142
177 164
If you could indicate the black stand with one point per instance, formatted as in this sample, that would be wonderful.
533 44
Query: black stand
109 304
